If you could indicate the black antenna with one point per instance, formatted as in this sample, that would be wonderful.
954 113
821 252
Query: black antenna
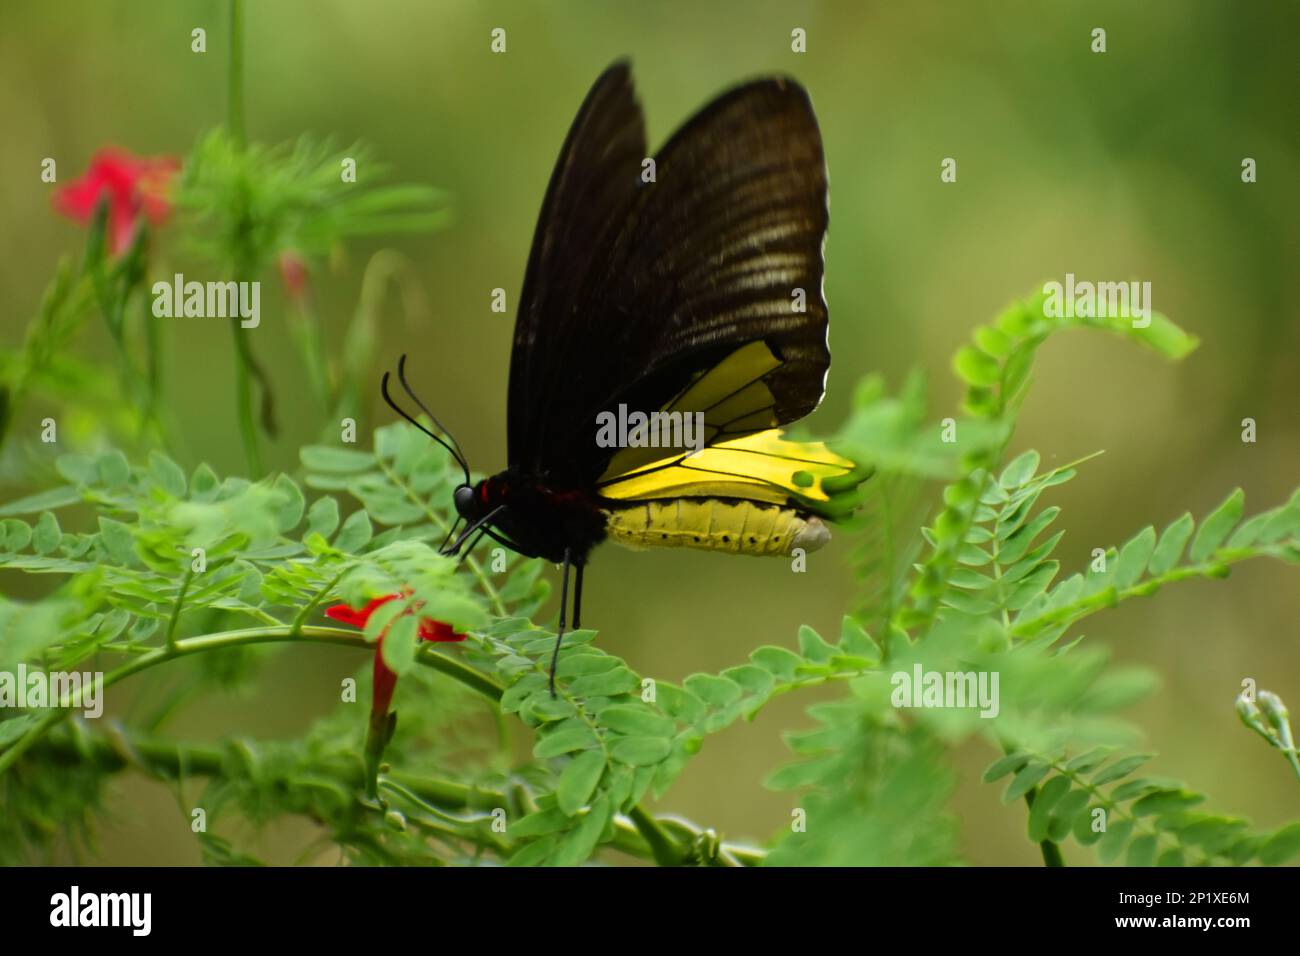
401 411
457 453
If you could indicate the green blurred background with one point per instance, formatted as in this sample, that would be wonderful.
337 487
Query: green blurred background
1112 166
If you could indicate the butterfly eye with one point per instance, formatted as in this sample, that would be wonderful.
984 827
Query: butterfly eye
465 504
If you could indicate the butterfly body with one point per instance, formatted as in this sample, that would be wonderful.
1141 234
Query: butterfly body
535 519
542 522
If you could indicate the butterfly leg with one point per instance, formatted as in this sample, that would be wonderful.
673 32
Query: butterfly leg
577 597
559 635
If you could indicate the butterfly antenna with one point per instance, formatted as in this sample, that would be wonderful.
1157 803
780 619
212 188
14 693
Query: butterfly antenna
383 387
457 453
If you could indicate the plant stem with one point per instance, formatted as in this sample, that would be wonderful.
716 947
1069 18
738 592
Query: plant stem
666 852
241 638
176 608
244 368
162 759
1215 566
153 372
1051 852
235 79
301 617
1113 809
305 327
661 845
244 405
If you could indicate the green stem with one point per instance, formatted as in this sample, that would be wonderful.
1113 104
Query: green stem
305 327
240 638
1217 567
724 854
477 828
176 608
153 371
153 362
1050 850
244 404
301 618
665 851
1294 760
235 79
1115 811
246 368
430 656
170 760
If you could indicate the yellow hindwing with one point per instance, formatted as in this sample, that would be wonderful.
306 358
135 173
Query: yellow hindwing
757 467
747 490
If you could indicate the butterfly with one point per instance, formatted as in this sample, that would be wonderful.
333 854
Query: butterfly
683 289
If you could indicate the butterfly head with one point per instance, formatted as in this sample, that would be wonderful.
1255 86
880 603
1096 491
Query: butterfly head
474 502
466 501
481 506
482 500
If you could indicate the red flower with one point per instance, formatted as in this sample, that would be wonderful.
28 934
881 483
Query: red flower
293 273
136 186
384 679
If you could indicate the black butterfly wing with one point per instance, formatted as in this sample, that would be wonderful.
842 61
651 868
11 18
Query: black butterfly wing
593 184
692 268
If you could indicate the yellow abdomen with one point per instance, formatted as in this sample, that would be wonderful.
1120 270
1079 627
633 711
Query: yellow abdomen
715 524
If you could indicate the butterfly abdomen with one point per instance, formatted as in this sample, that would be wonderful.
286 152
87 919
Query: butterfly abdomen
716 524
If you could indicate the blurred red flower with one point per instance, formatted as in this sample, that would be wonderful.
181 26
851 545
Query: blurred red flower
384 679
135 186
293 273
